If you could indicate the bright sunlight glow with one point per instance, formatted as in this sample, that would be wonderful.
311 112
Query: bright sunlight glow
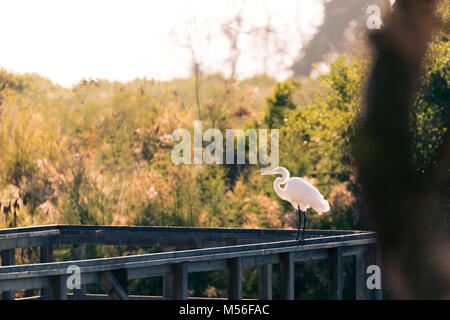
124 39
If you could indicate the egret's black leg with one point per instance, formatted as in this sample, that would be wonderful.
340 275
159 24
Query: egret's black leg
299 222
304 225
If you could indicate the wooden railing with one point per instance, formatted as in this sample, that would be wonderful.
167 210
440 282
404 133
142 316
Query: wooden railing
231 249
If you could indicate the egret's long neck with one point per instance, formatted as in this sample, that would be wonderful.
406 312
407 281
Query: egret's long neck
278 182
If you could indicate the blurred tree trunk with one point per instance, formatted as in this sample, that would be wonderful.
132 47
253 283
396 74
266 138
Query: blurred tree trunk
401 205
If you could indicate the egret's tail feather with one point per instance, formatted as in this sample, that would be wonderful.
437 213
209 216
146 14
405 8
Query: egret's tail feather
322 207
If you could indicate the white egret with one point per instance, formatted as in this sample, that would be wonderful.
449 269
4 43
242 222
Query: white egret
300 193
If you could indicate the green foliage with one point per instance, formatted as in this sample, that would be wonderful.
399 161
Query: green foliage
279 102
432 106
314 140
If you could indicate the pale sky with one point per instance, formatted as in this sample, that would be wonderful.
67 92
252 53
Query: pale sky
67 40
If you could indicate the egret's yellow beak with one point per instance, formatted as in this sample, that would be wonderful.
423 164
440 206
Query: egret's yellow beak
268 173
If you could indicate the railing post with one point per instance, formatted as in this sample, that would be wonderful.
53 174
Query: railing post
265 282
335 273
235 279
361 267
79 253
8 259
29 251
371 257
168 286
58 287
167 283
180 281
45 255
287 276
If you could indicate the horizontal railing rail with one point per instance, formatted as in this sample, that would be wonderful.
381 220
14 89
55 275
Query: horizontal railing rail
249 247
147 236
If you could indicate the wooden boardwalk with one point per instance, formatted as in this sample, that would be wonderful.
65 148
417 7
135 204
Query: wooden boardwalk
216 249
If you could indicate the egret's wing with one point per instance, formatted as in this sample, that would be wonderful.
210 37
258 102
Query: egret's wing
306 195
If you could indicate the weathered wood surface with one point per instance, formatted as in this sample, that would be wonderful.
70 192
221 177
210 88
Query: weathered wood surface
168 286
45 255
79 253
113 273
287 276
8 258
29 239
369 257
113 287
58 287
265 282
155 259
148 236
335 275
235 270
180 281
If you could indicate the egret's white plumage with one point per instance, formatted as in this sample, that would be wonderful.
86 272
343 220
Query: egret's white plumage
300 193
